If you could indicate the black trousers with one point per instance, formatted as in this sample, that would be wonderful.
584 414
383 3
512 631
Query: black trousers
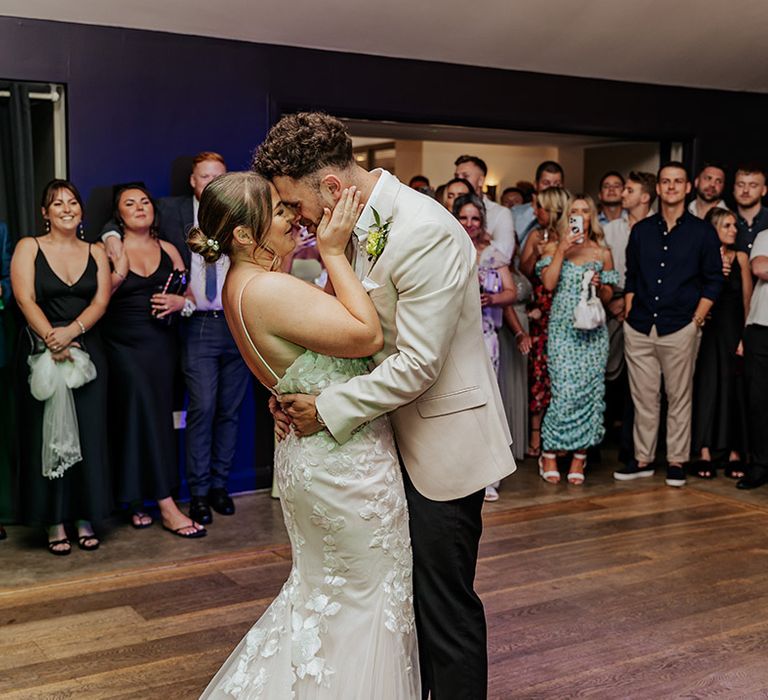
450 619
756 373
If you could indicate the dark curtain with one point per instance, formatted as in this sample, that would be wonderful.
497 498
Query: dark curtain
17 177
17 218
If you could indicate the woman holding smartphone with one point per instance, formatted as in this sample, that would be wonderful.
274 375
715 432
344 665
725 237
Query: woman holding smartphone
576 358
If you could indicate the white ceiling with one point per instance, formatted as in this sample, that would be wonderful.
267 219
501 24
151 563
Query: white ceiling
699 43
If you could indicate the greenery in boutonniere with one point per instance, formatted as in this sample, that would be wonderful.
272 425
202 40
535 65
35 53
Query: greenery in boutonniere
377 235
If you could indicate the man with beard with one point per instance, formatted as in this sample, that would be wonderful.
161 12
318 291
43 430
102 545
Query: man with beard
709 184
611 188
752 217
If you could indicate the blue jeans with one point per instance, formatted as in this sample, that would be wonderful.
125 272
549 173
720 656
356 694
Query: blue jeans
216 379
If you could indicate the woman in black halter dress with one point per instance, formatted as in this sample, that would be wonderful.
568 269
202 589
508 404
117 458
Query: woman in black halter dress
141 340
62 285
719 395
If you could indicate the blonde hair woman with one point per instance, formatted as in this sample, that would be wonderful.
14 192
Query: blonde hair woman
576 358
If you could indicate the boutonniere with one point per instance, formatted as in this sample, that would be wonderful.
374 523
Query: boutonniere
377 236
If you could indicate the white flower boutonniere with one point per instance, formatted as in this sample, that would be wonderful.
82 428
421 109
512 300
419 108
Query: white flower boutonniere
377 236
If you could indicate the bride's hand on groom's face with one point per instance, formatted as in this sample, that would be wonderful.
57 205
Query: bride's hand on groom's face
335 228
302 412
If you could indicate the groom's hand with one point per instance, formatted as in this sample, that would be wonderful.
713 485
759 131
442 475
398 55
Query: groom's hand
302 412
282 421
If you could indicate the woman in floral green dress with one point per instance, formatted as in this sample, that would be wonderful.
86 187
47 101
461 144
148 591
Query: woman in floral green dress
577 358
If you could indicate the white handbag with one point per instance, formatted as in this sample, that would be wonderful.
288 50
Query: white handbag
589 312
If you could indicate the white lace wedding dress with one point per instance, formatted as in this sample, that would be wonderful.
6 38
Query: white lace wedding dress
342 627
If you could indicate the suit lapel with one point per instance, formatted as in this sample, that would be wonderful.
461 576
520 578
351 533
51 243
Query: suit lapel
385 206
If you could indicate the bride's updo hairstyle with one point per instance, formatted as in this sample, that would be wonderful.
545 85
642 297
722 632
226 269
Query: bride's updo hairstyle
231 200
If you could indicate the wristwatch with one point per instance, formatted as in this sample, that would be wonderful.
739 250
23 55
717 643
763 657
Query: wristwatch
319 418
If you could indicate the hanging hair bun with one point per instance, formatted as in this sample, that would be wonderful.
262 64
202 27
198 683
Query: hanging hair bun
208 248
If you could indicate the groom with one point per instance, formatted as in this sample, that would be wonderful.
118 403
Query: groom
432 377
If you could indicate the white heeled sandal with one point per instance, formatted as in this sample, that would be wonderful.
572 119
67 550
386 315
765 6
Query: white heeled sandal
552 473
577 478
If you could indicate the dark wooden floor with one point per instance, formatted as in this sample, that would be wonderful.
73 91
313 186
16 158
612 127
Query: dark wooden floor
644 592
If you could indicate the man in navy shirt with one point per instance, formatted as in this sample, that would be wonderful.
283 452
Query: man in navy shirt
752 217
674 275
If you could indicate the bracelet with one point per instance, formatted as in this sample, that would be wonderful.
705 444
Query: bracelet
82 327
699 321
518 334
120 275
319 418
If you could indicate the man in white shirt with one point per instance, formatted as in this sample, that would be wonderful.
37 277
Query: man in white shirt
709 185
215 375
611 191
548 174
498 219
637 197
756 367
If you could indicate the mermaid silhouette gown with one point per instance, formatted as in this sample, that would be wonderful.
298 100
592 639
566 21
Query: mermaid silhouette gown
343 624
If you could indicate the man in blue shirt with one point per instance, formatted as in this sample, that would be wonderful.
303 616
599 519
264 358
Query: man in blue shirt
674 275
752 217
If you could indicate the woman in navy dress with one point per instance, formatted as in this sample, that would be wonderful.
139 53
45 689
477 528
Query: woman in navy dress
141 340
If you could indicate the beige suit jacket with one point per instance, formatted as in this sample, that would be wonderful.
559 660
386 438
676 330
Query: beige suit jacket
433 375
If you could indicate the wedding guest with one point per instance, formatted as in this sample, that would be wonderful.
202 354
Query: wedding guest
708 186
719 399
62 287
637 198
576 358
674 275
500 225
497 288
514 346
6 401
548 174
748 190
756 367
141 348
551 206
419 182
511 197
215 375
611 187
457 187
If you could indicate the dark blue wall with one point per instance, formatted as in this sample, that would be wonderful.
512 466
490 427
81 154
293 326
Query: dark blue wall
138 100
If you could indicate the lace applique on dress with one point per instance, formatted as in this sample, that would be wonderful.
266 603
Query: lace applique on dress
350 590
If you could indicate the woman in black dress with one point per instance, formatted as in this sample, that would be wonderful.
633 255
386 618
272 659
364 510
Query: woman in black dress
142 347
62 287
719 399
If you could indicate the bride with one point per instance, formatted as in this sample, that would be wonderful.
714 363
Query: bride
343 623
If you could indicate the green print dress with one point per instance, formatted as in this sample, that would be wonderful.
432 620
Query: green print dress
577 359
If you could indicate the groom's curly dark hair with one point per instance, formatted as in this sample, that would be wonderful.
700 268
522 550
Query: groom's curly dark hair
301 144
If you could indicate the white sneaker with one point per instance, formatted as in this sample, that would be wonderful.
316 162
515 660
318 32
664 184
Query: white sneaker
491 494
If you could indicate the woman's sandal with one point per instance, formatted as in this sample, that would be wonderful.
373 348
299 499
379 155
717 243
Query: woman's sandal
202 532
82 542
551 473
138 520
577 478
60 552
735 469
704 469
534 451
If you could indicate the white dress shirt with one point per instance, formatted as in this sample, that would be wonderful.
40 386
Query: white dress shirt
501 227
693 209
362 229
758 307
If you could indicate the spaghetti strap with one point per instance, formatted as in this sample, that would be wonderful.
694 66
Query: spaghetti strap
248 335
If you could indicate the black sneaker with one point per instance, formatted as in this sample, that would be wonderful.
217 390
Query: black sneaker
633 471
675 476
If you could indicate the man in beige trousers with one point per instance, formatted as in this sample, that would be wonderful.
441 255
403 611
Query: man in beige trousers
674 275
